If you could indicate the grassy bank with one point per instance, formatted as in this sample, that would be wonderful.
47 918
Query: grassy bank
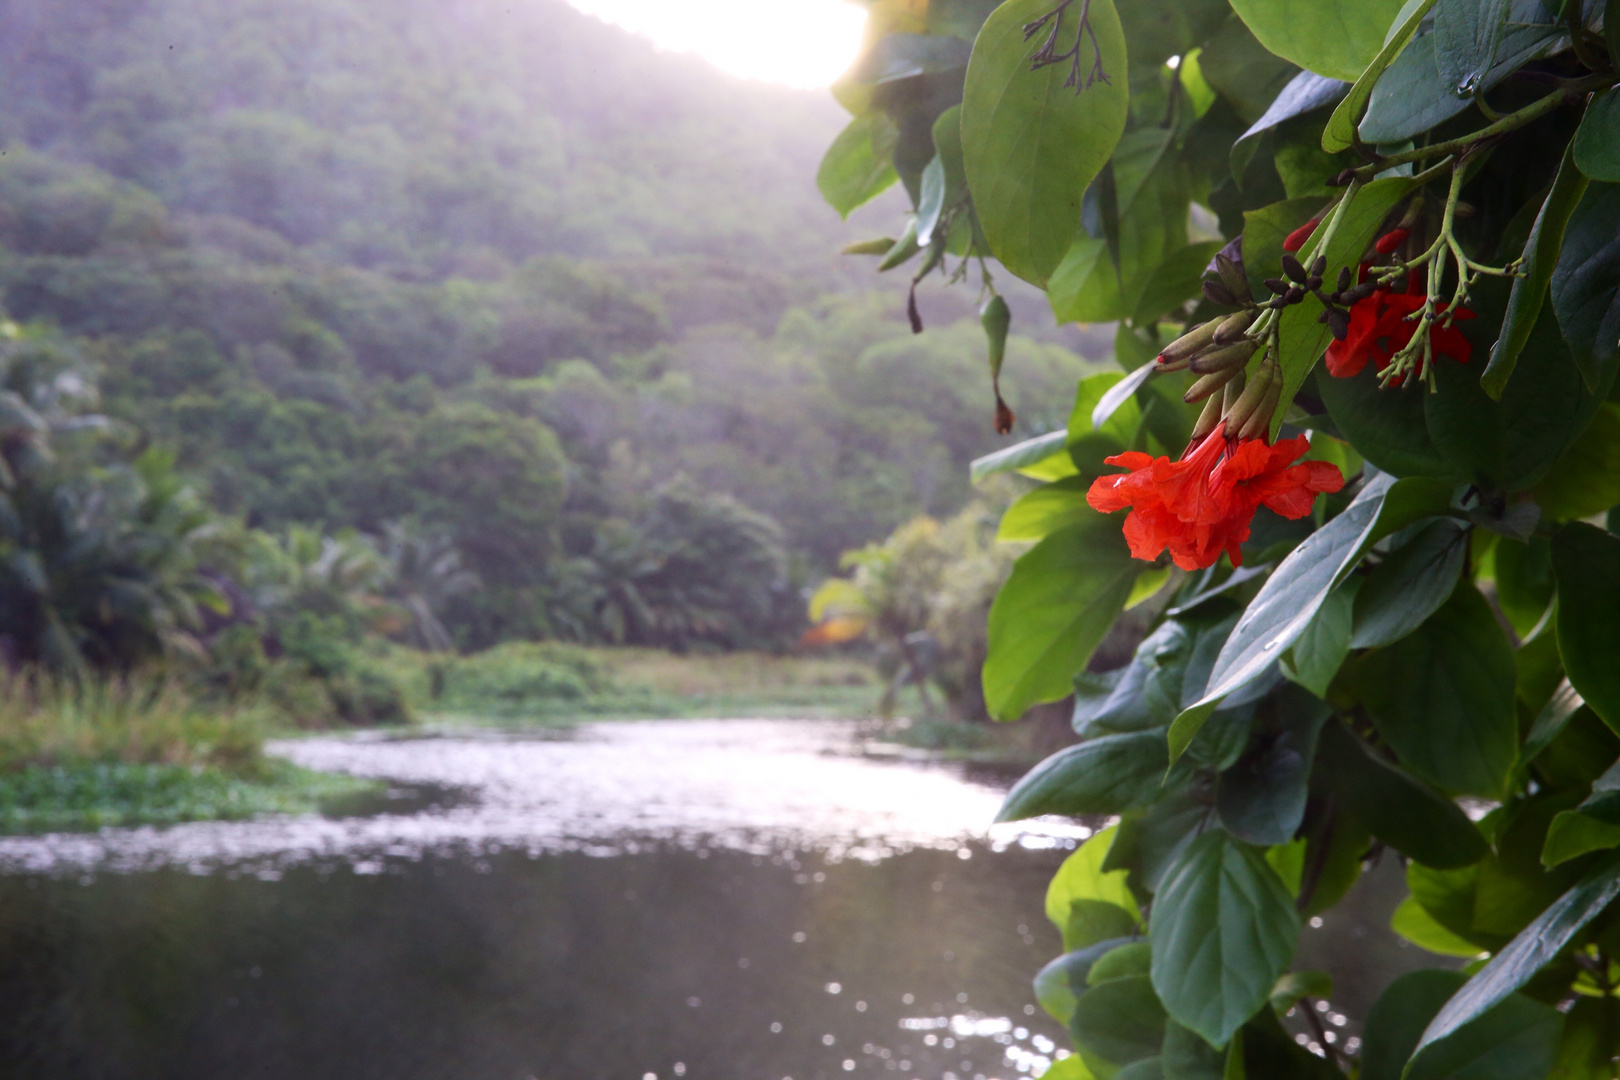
141 750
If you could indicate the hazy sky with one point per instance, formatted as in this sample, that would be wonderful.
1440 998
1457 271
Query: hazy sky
805 43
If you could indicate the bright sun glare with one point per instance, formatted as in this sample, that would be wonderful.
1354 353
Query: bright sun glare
803 43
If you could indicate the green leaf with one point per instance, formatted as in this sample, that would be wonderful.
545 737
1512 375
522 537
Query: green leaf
1031 145
1336 38
1261 799
1411 584
1586 564
1046 509
1069 1068
1120 1021
1060 983
1054 609
1156 30
1290 598
1173 282
1264 231
1591 1034
1443 697
948 145
1223 929
1315 657
1386 426
1586 283
931 202
1522 957
1416 925
1467 34
1091 921
1540 257
858 166
1120 962
1611 26
1185 1056
1020 456
1303 339
1305 93
1399 809
1081 877
1245 73
1573 834
1295 986
1106 775
1597 140
1586 480
1340 133
1516 1040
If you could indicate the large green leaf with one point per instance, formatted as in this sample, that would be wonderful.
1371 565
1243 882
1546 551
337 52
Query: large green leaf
1586 480
1400 810
1060 983
1288 601
1411 584
1108 775
1386 426
1045 510
1586 563
1032 144
1443 697
1261 799
1120 1021
1317 653
1597 142
1264 231
1467 34
1518 1040
1534 947
1081 878
1336 38
1303 338
1530 290
1586 283
1020 456
1340 132
1156 30
857 166
1054 609
1223 928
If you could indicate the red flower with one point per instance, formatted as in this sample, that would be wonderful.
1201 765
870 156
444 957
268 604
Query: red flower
1300 236
1380 328
1202 505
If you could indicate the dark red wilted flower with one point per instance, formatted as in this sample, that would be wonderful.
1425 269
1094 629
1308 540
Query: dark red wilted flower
1380 328
1202 505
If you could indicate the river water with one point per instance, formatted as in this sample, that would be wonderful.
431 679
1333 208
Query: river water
682 899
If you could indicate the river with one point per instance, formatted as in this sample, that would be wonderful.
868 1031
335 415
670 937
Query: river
700 900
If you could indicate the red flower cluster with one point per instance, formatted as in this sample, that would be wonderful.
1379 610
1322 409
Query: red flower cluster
1203 504
1380 328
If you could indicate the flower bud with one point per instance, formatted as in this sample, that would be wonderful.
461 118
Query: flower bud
1232 274
1277 285
1226 356
1292 268
1216 293
1209 384
1344 278
1195 340
1210 418
1338 321
1248 401
1233 327
1319 267
1259 423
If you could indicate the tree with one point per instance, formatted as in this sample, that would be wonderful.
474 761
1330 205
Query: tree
1362 260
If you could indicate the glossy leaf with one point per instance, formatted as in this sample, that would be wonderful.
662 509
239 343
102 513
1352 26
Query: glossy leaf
1223 929
1173 282
1411 584
1315 657
1586 563
857 167
1106 775
1055 607
1597 141
1305 93
1030 144
1336 38
931 202
1586 283
1517 1040
1261 799
1340 133
1536 945
1467 34
1443 697
1386 426
1400 810
1541 253
1020 455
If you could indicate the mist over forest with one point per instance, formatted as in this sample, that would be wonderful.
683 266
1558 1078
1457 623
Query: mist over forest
498 272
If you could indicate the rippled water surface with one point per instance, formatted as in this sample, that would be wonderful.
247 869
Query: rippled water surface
675 900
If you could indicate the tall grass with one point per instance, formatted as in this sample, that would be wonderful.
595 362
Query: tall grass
139 719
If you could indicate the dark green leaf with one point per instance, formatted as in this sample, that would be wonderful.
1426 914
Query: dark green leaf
1611 26
1296 589
1524 588
1586 563
1156 30
1059 984
1263 233
1604 802
1305 93
1551 722
1261 799
1295 986
857 167
1247 75
1515 1041
1223 929
1054 609
1340 132
1586 480
1107 775
1120 1021
1586 282
1031 144
1535 946
1152 840
1443 697
1120 962
1315 657
1399 809
1467 34
1529 291
1573 834
1173 282
1597 142
1147 1069
1386 426
1410 584
1186 1056
1336 38
1591 1035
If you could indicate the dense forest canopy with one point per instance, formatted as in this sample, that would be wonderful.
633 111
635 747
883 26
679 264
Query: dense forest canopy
501 271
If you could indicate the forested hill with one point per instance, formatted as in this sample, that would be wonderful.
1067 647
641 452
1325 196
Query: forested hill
490 268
